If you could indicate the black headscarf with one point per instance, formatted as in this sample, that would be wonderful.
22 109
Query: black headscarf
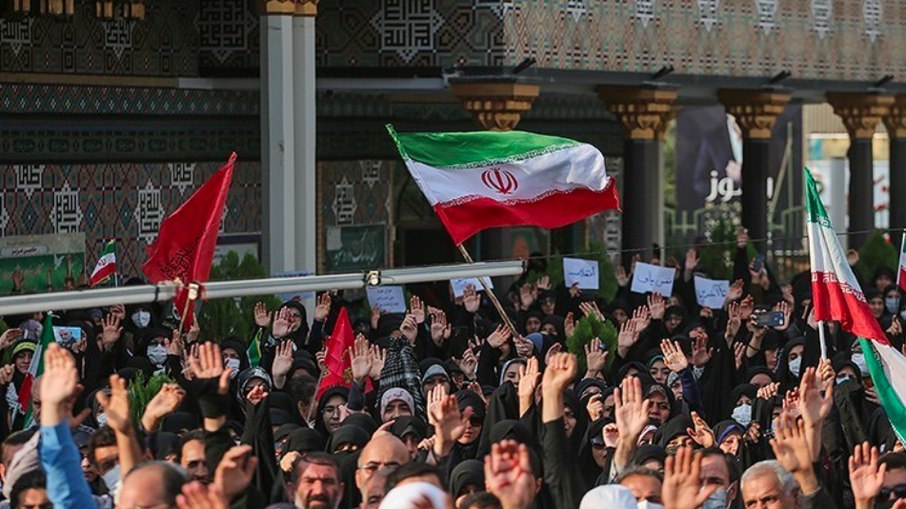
347 434
468 472
329 393
304 439
301 334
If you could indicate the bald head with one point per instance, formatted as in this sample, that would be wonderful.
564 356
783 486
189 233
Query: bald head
384 450
152 484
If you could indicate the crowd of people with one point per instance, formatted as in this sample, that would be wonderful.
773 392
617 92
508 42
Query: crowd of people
446 406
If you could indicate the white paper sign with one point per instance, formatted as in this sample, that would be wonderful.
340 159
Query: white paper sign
583 272
459 285
389 299
652 278
711 293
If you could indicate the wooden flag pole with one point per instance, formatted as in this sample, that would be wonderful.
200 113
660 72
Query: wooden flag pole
489 293
193 294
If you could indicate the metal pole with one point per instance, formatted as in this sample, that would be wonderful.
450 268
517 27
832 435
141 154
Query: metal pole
821 336
137 294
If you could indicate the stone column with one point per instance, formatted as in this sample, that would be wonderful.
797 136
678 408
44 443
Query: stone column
277 135
896 130
861 113
496 103
643 112
756 111
305 114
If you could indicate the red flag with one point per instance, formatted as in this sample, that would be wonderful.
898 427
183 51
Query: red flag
185 244
338 365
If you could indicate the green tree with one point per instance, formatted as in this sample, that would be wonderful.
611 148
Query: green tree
875 253
588 328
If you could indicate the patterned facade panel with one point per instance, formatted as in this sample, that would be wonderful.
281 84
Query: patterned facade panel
819 39
65 99
354 193
123 201
163 44
228 37
419 33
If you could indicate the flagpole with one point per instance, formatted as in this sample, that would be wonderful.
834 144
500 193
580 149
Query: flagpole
821 339
193 294
900 256
488 292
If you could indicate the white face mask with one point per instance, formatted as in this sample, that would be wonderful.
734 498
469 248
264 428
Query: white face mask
892 304
141 318
859 360
717 500
112 478
644 504
233 363
102 419
157 354
795 365
743 414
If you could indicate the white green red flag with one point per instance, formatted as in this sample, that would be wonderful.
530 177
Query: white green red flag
106 265
836 293
837 296
35 369
901 272
485 179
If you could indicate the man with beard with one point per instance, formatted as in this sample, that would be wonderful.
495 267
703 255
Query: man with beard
316 482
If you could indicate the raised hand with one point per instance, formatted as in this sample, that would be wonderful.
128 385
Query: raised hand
500 336
739 353
257 395
814 407
449 423
792 450
6 374
409 327
674 358
194 331
569 325
656 306
641 318
283 362
322 307
595 407
468 364
321 358
262 316
735 291
701 353
865 477
235 470
768 391
622 276
528 382
630 408
9 337
417 310
527 296
59 382
524 347
375 317
590 308
683 487
691 260
360 359
560 372
471 299
209 364
595 358
508 475
282 321
110 331
895 328
440 329
378 358
175 344
165 402
198 496
543 283
629 335
701 433
116 405
734 321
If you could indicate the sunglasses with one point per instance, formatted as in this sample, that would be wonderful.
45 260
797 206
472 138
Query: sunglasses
898 491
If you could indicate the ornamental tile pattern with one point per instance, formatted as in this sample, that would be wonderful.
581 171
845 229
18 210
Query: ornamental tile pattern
118 200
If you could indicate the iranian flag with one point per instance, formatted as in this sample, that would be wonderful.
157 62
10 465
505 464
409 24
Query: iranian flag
106 265
836 293
35 369
837 296
486 179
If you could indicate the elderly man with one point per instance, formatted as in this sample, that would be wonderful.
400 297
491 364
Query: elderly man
316 482
383 451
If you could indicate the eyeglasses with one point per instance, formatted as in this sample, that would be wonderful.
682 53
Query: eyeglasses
898 491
